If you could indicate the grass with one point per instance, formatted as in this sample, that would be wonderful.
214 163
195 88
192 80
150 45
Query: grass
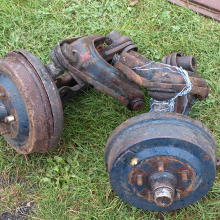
71 182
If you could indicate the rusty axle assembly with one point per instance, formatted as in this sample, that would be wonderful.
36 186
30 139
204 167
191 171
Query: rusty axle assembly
161 160
85 58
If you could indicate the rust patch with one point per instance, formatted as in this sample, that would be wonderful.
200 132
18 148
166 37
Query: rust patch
206 7
169 163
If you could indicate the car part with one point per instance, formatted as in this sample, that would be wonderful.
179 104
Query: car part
31 111
161 160
79 56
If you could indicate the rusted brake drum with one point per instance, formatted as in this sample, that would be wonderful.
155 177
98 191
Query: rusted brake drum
30 107
161 161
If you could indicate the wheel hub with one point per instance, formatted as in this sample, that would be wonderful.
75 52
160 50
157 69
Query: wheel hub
12 111
163 179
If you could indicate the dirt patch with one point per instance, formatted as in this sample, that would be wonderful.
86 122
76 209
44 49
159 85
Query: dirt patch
20 213
10 198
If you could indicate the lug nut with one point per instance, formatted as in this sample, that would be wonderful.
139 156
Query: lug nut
9 119
160 166
140 180
2 94
184 175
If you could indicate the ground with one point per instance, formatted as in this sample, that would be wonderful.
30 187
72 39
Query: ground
71 182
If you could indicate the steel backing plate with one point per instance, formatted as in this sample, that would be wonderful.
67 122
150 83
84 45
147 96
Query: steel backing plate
161 161
32 98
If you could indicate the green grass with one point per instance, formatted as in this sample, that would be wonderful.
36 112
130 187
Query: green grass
71 182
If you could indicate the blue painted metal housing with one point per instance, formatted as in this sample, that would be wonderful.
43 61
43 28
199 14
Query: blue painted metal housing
16 103
182 144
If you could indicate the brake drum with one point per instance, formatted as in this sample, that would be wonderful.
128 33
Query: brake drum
161 161
30 107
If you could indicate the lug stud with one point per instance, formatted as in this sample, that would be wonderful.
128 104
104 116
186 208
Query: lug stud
160 166
9 119
140 180
184 175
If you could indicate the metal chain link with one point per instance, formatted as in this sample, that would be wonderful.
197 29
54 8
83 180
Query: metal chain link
171 102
